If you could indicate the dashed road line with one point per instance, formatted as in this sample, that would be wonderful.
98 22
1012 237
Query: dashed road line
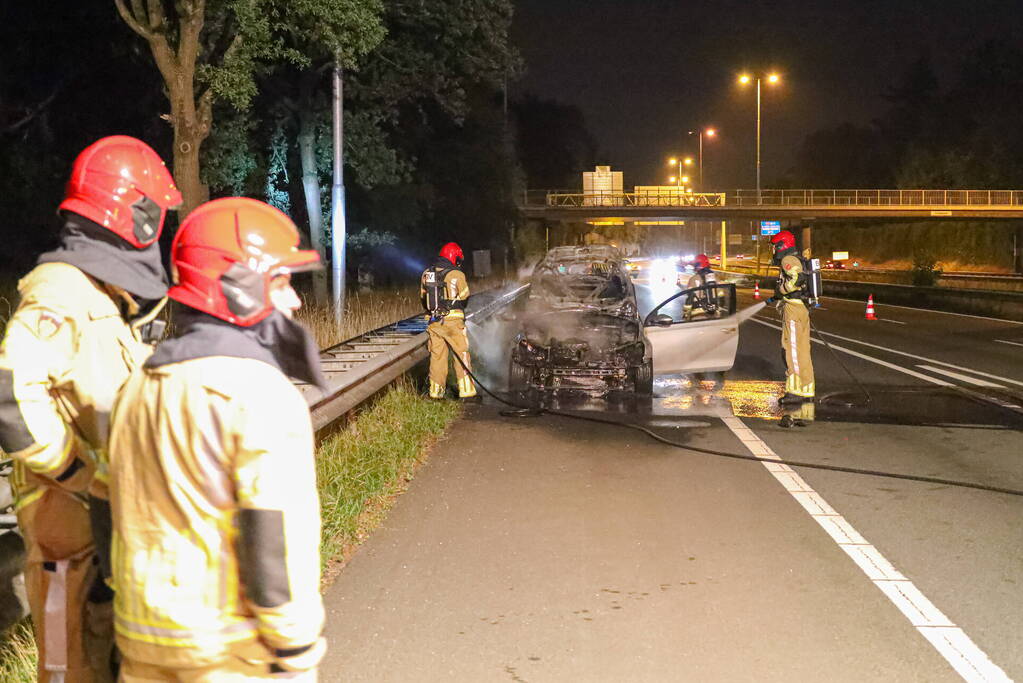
925 359
968 660
963 378
878 361
1005 341
894 322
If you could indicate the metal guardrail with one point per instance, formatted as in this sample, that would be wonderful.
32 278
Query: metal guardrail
358 368
781 198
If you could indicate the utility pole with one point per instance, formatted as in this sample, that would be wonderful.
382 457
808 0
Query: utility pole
724 244
338 231
759 200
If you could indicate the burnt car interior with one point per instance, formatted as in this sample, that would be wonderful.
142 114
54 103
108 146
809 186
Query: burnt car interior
581 328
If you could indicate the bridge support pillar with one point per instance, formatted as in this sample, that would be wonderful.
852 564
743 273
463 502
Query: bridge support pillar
1017 250
805 240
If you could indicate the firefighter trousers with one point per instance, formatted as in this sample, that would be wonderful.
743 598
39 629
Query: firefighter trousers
795 340
74 636
449 330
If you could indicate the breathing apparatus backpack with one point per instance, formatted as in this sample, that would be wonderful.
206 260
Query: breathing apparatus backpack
814 284
433 284
811 288
434 299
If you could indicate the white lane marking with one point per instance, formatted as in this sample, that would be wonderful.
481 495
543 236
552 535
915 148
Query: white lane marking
878 361
1003 341
951 642
894 322
964 378
925 359
929 310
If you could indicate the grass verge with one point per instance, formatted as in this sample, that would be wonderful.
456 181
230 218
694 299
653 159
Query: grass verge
18 654
364 467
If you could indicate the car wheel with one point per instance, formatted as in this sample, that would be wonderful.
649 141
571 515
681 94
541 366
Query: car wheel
518 376
643 378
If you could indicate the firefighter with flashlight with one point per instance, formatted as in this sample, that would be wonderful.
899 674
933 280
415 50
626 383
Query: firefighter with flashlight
791 295
444 291
84 322
216 520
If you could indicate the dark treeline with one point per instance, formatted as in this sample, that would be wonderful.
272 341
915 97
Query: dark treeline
963 136
433 151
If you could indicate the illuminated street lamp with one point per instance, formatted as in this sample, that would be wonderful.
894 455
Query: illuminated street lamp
680 162
746 79
709 132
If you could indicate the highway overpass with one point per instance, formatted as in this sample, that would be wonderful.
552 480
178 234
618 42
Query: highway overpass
794 205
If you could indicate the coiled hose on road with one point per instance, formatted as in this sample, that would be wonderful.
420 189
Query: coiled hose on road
537 411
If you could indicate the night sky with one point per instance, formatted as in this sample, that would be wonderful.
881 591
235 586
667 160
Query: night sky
644 72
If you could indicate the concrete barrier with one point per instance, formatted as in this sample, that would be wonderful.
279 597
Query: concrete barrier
1006 305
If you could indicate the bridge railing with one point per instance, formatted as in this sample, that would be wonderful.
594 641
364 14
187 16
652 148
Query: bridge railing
663 198
780 198
876 198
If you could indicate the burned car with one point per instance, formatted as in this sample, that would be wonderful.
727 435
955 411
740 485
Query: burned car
582 329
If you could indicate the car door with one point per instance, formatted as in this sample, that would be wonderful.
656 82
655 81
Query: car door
695 330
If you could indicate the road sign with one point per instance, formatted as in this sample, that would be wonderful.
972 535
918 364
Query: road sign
770 227
839 255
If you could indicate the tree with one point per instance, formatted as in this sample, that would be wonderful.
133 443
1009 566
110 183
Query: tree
553 144
209 50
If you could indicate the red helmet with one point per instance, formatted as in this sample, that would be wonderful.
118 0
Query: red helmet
783 240
120 183
226 253
452 252
701 261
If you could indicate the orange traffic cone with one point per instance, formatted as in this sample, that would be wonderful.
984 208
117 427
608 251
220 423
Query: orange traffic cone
756 290
870 308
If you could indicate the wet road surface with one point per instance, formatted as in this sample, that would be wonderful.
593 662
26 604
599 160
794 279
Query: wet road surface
550 549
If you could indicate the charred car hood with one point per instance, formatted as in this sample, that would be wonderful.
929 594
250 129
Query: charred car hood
598 330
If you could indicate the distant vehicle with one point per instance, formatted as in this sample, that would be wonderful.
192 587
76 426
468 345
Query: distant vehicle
582 329
834 265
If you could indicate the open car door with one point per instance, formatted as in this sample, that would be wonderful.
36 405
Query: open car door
696 330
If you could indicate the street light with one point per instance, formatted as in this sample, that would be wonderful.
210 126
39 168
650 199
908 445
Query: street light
745 79
709 132
680 162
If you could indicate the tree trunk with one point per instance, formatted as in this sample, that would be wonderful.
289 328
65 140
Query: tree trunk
311 183
187 142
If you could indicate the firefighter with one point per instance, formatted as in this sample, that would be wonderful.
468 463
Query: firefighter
216 522
82 325
701 277
791 293
444 292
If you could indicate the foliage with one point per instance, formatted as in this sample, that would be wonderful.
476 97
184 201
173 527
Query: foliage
552 142
966 137
361 468
230 159
925 270
18 654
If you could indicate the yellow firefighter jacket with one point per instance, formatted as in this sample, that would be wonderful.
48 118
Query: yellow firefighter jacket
456 289
216 523
67 351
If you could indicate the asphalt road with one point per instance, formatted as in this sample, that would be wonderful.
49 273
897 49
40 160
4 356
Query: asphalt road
551 549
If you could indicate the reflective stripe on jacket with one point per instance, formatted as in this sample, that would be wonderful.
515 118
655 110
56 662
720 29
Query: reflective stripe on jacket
215 512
